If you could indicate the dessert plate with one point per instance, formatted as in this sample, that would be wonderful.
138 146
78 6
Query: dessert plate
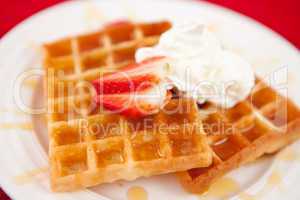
23 136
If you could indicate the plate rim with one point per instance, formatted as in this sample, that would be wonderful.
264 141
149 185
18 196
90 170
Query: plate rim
27 20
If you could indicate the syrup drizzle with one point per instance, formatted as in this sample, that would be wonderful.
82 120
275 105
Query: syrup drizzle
14 111
274 179
137 193
222 188
27 126
29 176
245 196
288 156
31 83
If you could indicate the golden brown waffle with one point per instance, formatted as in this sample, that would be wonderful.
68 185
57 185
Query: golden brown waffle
263 124
89 146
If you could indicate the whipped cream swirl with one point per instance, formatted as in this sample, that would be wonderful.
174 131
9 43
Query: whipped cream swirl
201 67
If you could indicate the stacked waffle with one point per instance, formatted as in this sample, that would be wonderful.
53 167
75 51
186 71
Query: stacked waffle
262 124
89 146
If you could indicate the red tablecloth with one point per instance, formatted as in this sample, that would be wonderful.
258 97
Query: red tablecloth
282 16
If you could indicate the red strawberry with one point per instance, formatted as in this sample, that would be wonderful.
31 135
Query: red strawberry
135 105
132 78
128 91
126 84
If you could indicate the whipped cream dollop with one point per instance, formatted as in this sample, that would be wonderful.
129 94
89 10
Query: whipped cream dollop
200 66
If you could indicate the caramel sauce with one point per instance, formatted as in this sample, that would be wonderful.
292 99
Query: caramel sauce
212 28
23 126
222 188
274 179
288 155
245 196
31 83
13 111
29 176
137 193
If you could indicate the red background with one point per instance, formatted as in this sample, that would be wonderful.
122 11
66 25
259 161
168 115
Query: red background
282 16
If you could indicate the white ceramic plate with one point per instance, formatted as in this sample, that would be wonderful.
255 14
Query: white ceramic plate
23 140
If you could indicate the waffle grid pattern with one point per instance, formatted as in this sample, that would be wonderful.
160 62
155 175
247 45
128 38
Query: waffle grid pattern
264 123
89 146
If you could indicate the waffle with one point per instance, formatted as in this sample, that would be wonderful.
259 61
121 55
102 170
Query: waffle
262 124
90 146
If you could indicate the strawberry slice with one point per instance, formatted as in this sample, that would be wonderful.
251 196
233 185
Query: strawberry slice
125 84
133 106
132 78
136 91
